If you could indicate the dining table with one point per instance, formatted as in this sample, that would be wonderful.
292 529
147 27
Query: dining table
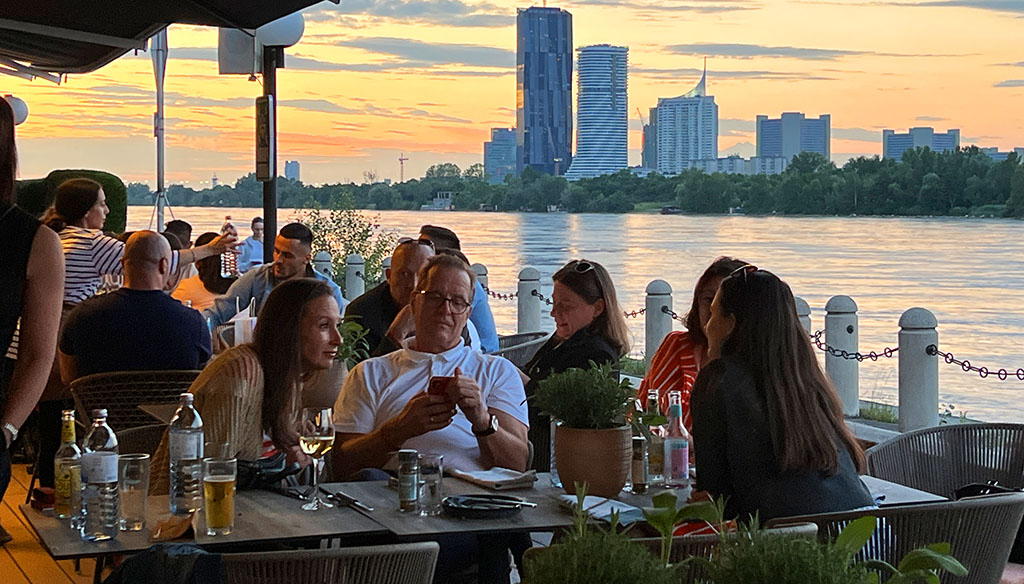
266 517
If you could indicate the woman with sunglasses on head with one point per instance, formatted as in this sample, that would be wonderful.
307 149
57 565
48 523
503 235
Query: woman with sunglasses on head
769 423
589 326
676 363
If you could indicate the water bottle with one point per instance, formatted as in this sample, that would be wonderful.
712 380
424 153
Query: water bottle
677 445
100 498
186 454
67 472
555 481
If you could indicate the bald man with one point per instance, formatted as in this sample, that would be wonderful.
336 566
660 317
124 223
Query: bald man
138 327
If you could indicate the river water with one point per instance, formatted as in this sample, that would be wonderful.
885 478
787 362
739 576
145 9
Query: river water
968 272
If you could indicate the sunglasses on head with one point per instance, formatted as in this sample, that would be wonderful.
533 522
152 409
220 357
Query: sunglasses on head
582 266
743 270
411 241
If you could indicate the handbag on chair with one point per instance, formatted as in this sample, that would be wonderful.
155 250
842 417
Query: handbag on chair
994 488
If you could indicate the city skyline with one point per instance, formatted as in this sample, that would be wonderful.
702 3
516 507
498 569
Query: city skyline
372 79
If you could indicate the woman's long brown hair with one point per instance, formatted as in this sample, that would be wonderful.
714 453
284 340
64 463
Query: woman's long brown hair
592 285
804 414
277 343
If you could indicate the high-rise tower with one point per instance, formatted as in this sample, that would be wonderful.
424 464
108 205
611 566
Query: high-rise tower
602 115
544 89
687 129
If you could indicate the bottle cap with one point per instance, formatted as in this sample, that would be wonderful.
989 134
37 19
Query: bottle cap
99 413
187 397
408 456
675 411
68 413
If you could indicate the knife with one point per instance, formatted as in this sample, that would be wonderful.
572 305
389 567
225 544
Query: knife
346 500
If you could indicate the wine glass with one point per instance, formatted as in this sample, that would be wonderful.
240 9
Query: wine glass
316 438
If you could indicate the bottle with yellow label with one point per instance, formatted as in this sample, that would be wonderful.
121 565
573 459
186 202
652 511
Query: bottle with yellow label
67 467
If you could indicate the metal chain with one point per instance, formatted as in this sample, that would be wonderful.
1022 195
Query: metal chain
671 313
541 296
499 295
633 313
816 339
983 372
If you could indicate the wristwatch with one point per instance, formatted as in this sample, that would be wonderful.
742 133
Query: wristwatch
14 431
492 427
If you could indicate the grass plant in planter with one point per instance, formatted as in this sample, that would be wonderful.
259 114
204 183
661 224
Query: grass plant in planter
593 441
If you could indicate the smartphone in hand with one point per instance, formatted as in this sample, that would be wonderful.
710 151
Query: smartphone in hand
439 385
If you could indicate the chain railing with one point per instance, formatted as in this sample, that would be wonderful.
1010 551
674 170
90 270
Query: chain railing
844 354
499 295
1002 374
543 298
673 314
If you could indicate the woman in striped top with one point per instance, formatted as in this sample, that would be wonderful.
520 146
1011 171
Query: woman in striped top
77 215
675 365
250 396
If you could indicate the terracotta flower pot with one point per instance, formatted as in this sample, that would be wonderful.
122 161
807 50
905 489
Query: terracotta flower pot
599 458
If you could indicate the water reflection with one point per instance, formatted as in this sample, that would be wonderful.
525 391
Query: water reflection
970 273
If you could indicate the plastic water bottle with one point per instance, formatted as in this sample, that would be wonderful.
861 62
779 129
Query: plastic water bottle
100 498
67 472
186 454
677 445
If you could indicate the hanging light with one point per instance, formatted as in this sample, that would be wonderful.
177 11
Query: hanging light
19 107
283 32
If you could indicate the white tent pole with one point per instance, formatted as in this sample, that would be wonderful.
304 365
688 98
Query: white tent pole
159 54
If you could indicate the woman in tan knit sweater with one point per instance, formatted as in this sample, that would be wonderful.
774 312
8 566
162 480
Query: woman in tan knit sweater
251 395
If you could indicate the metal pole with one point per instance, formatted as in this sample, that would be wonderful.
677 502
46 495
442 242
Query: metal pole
158 52
270 61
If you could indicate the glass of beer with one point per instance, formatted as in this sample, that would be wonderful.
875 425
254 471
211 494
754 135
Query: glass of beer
219 495
316 438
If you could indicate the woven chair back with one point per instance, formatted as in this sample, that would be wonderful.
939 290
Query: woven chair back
410 563
140 440
122 392
942 459
520 353
980 532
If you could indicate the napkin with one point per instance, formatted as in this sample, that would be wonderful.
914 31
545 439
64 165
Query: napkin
601 509
497 478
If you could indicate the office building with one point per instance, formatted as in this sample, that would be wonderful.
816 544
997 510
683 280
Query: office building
602 113
687 129
500 155
792 134
894 145
649 152
291 170
544 89
998 156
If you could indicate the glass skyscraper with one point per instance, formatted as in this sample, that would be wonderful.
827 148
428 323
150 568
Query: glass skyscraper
500 155
602 114
792 134
894 145
544 89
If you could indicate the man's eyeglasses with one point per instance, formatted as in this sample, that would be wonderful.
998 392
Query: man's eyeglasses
436 300
743 270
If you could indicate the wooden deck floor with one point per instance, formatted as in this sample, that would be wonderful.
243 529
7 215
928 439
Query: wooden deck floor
25 560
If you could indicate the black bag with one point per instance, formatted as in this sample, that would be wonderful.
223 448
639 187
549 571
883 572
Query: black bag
994 488
264 473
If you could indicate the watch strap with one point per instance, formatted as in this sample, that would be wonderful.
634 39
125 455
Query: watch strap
492 427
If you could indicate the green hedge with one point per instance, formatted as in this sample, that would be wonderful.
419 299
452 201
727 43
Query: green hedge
36 195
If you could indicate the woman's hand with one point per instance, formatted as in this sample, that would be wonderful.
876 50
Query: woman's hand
295 454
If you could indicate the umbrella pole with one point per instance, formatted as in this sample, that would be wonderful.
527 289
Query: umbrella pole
270 63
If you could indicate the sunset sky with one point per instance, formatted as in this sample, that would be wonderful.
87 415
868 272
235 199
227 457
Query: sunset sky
374 78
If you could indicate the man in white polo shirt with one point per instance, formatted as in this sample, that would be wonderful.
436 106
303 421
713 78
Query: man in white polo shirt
482 420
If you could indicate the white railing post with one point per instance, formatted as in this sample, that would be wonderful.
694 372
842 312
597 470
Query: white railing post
803 312
354 285
657 322
918 371
529 303
841 333
481 274
385 265
322 264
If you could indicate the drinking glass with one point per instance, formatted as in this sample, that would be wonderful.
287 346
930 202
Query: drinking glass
219 495
133 486
316 438
431 469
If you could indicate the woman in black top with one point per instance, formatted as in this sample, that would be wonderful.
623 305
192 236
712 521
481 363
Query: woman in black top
589 326
31 286
768 426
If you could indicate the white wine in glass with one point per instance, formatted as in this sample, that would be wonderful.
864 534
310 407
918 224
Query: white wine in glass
316 438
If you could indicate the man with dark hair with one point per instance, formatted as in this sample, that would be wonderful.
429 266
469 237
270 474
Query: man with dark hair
136 327
481 317
252 247
182 230
293 251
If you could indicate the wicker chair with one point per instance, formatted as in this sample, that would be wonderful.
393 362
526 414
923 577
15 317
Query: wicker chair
703 546
122 392
942 459
980 531
140 440
410 563
520 348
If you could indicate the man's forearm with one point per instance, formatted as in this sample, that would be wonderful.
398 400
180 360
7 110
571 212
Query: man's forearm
505 448
365 451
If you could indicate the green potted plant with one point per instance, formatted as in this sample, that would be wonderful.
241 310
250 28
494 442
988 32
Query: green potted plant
593 442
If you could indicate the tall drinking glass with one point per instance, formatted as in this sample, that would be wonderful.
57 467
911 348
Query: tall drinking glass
219 495
133 485
316 438
431 470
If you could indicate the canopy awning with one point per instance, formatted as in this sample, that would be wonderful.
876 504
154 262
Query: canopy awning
78 36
